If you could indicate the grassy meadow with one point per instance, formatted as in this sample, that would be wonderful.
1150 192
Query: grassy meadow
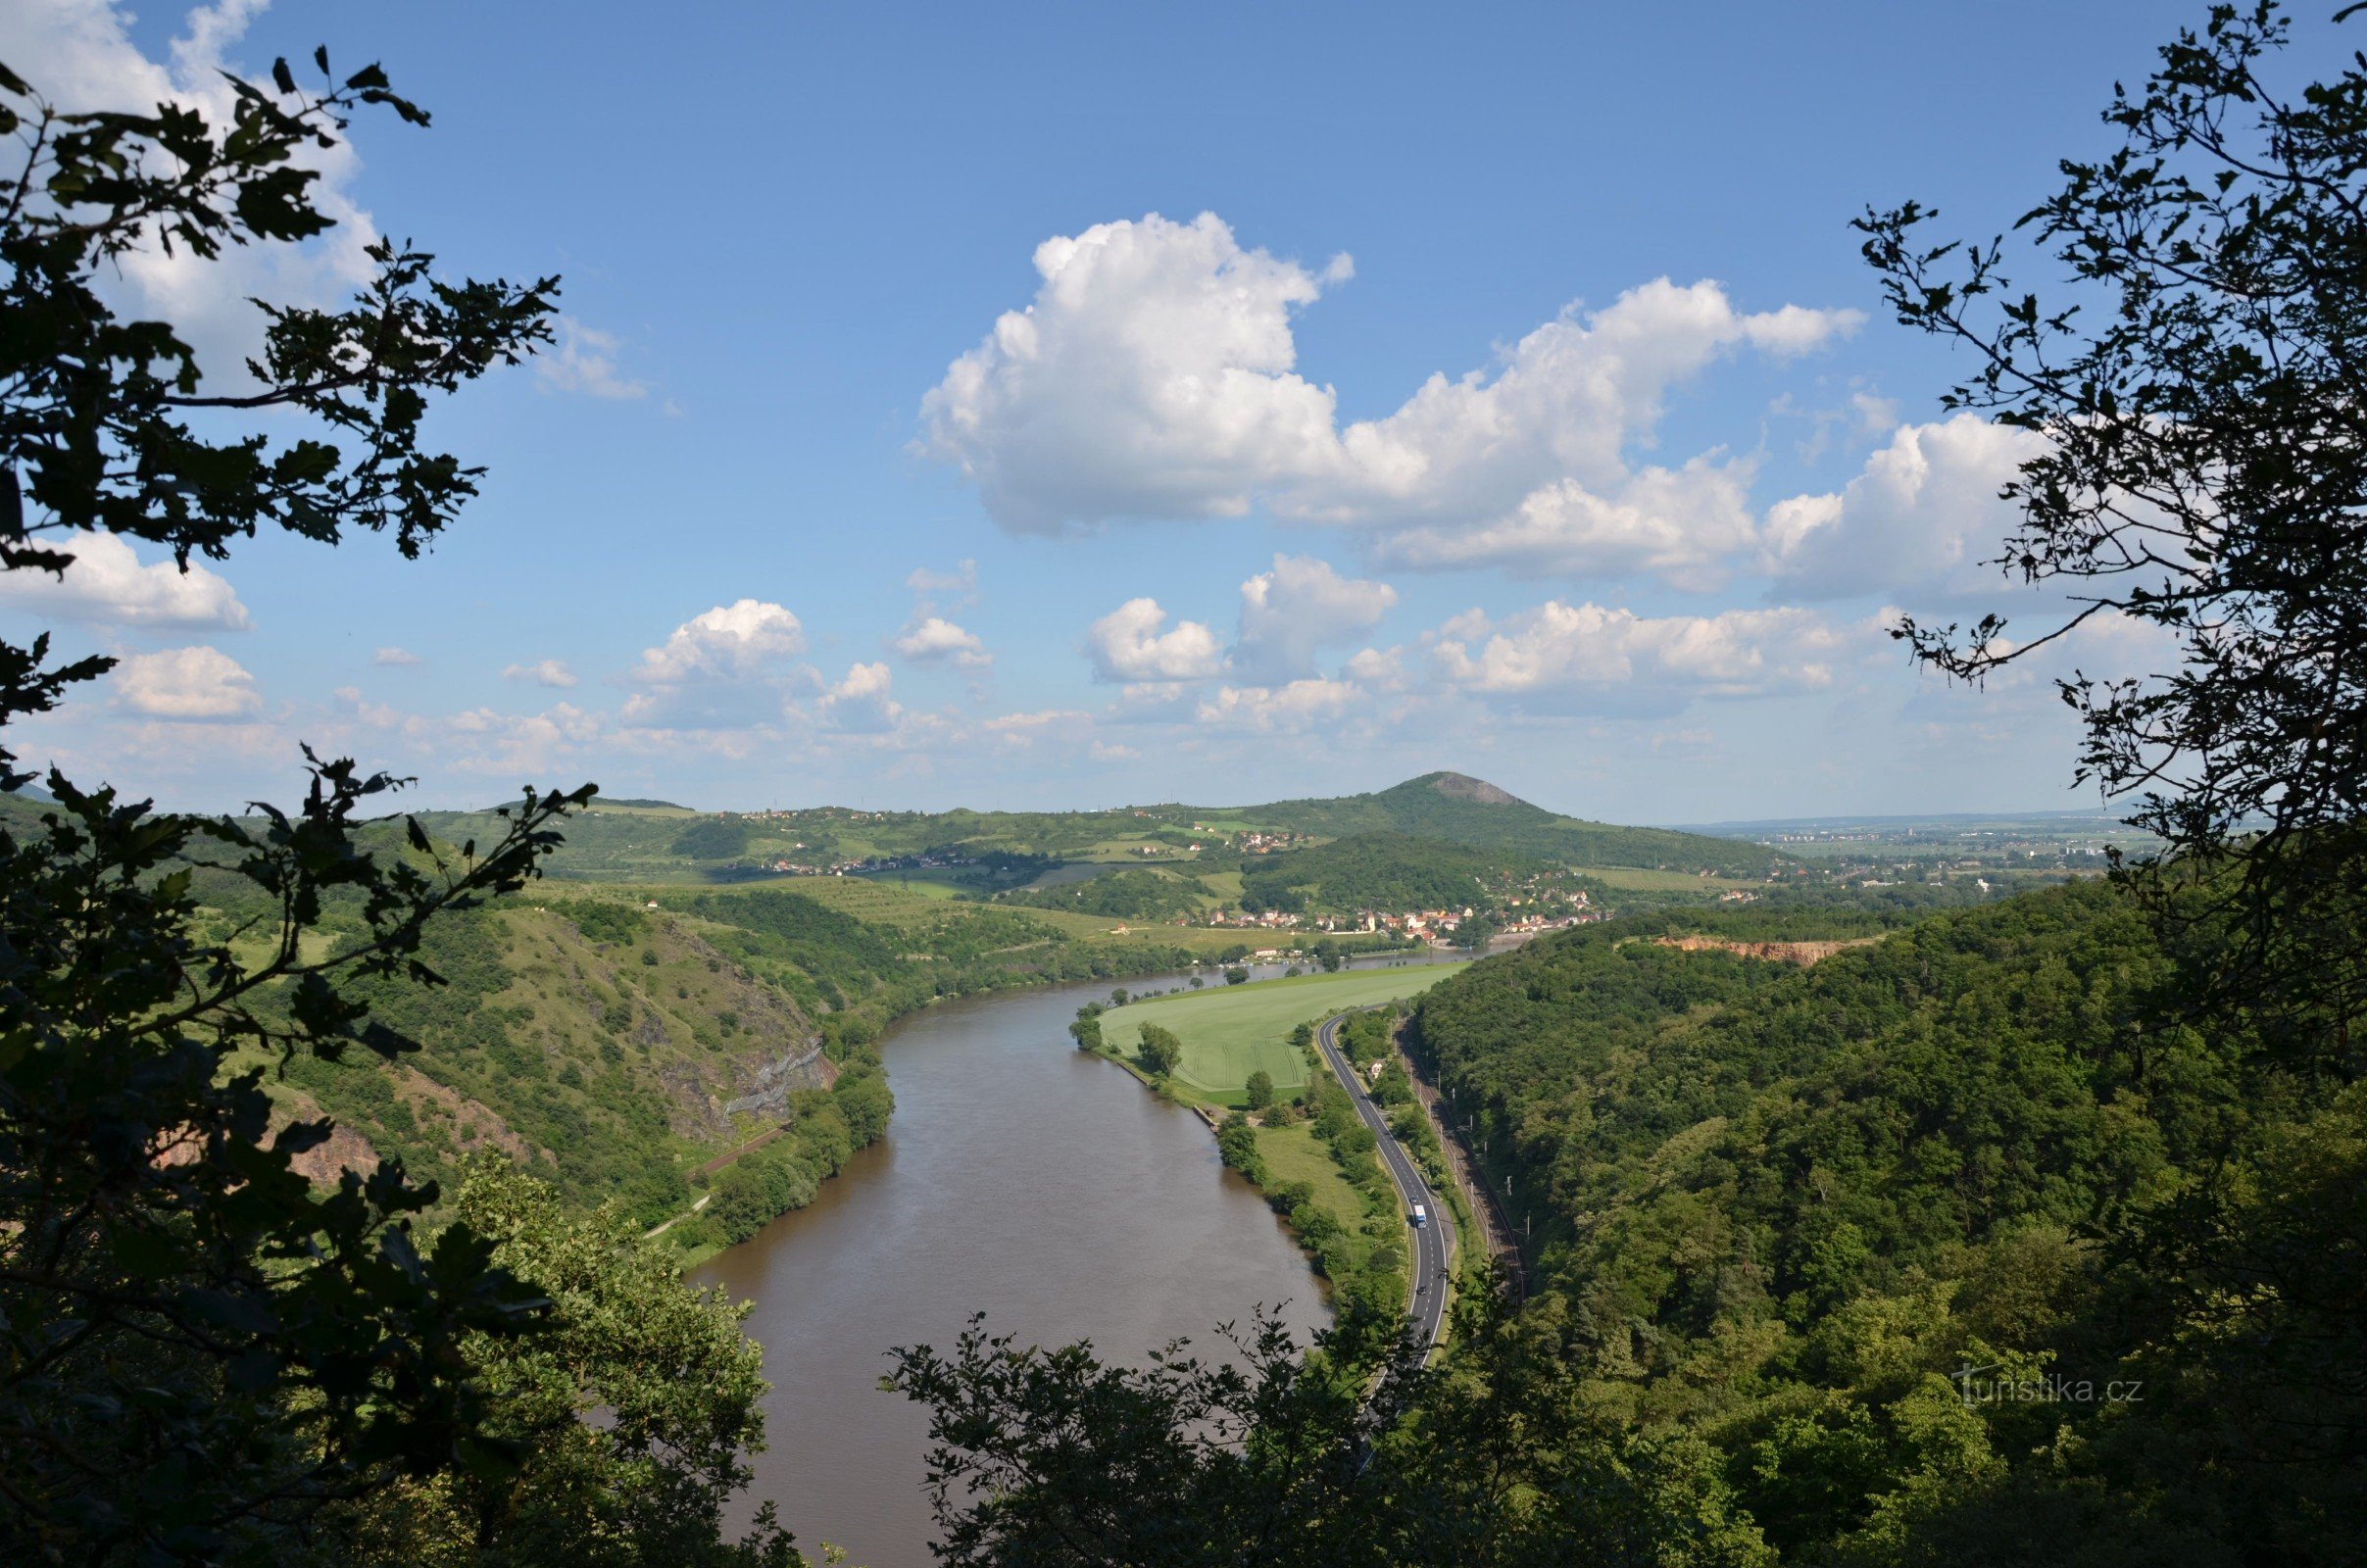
1229 1031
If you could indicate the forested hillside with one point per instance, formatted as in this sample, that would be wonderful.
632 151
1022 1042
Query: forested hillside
1386 871
1843 1225
619 1049
1124 895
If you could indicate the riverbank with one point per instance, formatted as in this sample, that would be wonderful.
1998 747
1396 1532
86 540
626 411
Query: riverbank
747 1209
1019 1179
1299 1137
1230 1033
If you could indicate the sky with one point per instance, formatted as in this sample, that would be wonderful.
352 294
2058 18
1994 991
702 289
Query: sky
1073 405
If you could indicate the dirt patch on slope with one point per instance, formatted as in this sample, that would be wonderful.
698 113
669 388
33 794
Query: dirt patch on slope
1803 954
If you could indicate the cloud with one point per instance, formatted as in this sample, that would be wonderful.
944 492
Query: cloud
859 704
962 582
542 672
934 640
105 584
1585 657
396 658
725 668
1019 731
185 683
1298 705
730 640
1679 525
517 744
79 55
1380 669
1154 376
1921 520
1108 752
1298 607
584 360
1127 645
1287 614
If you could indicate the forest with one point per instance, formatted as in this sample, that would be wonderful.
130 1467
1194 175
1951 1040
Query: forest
1859 1224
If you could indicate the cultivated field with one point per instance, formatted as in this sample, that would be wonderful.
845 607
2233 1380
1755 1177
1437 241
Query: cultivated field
1631 879
1232 1031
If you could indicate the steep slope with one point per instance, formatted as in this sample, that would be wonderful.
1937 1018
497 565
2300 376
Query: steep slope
615 1049
1886 1234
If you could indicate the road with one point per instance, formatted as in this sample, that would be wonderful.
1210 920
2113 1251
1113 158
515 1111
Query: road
1433 1244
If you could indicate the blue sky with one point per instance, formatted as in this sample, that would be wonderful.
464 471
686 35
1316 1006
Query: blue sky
1036 406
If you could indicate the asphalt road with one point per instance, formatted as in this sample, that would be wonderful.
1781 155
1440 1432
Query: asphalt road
1432 1242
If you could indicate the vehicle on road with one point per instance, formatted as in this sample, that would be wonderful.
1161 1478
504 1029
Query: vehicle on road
1422 1217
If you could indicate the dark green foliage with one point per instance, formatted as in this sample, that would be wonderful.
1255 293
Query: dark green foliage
1356 1456
1873 1172
2203 473
608 1134
860 976
197 1348
1237 1145
1790 1225
1160 1052
1383 871
715 838
823 1129
1118 895
633 1410
602 921
1257 1093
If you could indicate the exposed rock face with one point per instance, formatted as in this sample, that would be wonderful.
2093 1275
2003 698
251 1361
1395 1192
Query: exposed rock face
1803 954
802 1068
1462 787
346 1150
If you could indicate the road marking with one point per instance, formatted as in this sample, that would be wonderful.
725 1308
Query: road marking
1405 1175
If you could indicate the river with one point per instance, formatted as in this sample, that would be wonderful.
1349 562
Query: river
1022 1178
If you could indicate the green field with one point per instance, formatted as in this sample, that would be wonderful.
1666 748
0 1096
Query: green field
1630 879
1294 1154
1232 1031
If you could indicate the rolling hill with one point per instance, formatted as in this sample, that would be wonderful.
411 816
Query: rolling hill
643 842
1460 810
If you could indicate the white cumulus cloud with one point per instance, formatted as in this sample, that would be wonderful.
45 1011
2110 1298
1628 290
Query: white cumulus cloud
1295 706
515 744
725 668
934 640
729 640
396 658
185 683
1680 524
1154 377
1127 645
107 584
1299 606
1588 658
859 704
1922 521
78 54
551 672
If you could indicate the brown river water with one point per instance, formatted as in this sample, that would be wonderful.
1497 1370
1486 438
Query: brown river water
1020 1178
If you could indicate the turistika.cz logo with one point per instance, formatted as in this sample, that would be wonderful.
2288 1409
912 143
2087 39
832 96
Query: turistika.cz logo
2052 1388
